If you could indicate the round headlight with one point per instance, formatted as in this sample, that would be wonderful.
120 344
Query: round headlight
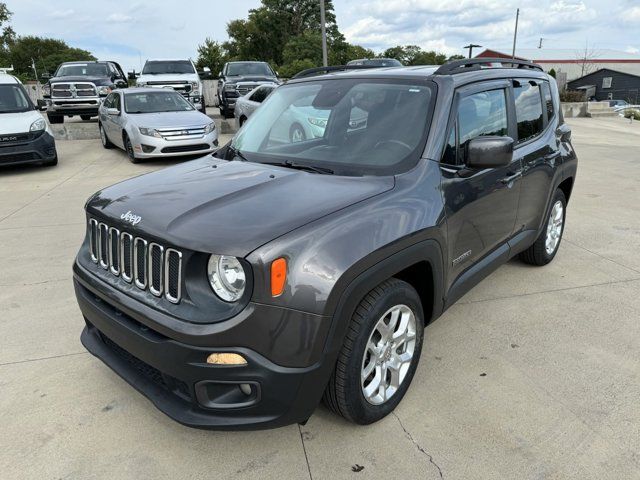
227 277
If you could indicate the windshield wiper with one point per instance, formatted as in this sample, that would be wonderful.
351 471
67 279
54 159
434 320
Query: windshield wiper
303 166
237 153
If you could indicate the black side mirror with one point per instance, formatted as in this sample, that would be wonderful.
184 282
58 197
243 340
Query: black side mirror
132 75
489 152
121 83
42 105
45 76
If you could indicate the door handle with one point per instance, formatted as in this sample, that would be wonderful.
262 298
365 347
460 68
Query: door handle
511 178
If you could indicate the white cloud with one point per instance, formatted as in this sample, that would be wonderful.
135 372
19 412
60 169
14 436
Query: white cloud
62 13
119 18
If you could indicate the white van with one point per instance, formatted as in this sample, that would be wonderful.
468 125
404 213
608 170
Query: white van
25 136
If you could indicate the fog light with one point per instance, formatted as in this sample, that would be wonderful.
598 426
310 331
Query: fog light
226 359
147 148
245 388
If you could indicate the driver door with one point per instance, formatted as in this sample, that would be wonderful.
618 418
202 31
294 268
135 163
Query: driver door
481 205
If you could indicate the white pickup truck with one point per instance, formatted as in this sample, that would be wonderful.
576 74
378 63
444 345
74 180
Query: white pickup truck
180 75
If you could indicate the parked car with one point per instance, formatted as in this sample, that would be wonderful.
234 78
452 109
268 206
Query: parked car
239 78
239 289
180 75
78 88
149 122
376 62
25 136
618 103
247 104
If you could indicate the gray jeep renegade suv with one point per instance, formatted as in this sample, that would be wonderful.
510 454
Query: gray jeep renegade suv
240 289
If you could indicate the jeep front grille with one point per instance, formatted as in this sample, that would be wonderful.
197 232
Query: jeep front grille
149 266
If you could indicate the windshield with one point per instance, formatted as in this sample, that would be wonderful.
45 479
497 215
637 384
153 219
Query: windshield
13 99
169 66
82 70
234 69
352 126
154 102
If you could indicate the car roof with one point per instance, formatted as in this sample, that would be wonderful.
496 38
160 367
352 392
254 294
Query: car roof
80 62
134 90
6 78
246 61
168 60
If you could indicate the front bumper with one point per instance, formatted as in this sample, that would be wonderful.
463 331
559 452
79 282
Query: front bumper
40 149
152 147
84 106
174 374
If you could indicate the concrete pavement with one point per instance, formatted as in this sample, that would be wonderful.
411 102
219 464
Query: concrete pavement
535 374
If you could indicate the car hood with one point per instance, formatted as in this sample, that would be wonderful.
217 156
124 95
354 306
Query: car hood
169 77
80 78
230 208
251 78
18 122
169 119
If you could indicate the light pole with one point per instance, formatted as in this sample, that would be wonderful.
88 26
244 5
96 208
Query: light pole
515 35
323 29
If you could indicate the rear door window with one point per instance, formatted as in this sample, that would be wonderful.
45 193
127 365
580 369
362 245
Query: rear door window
548 101
528 109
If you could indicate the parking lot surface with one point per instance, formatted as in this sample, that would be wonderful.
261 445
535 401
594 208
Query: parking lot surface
534 374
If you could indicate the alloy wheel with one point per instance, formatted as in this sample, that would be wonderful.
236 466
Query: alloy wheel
388 354
554 228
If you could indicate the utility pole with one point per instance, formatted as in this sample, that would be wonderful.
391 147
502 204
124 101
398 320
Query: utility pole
540 43
323 29
515 34
470 47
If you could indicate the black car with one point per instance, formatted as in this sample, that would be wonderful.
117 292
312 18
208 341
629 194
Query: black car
239 78
78 88
240 289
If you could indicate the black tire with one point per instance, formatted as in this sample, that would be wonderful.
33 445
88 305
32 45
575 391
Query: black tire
297 128
242 120
344 394
537 253
204 107
106 143
85 117
53 119
128 147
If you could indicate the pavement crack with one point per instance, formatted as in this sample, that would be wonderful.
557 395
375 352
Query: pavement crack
304 449
53 280
422 450
43 358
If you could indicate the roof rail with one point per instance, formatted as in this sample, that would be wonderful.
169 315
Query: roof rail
309 72
470 64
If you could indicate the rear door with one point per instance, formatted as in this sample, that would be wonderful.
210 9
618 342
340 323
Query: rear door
481 205
537 147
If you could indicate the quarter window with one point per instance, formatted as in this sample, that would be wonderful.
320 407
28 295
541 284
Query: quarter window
528 109
548 101
482 114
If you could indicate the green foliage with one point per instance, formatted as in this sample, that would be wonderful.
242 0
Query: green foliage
635 114
572 96
414 55
47 53
211 54
552 73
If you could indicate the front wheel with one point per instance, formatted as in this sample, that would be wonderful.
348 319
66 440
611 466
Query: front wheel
129 149
546 245
380 354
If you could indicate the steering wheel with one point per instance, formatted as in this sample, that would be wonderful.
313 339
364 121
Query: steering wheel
395 142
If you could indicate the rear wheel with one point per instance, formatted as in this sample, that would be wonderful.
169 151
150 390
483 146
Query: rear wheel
128 146
380 354
53 119
546 246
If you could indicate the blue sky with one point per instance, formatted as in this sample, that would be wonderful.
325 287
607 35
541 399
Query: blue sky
131 32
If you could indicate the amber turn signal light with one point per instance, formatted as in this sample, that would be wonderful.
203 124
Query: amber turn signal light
226 359
278 276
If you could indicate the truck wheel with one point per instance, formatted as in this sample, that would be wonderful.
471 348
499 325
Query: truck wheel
546 246
106 143
53 119
85 117
380 354
204 107
129 149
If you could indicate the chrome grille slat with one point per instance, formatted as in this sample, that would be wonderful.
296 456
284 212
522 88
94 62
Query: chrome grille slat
140 265
148 265
114 251
156 253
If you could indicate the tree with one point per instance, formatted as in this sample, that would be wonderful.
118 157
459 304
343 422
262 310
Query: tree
47 53
414 55
7 35
552 73
586 59
211 54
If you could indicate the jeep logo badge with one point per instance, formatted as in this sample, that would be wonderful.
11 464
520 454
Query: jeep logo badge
131 218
